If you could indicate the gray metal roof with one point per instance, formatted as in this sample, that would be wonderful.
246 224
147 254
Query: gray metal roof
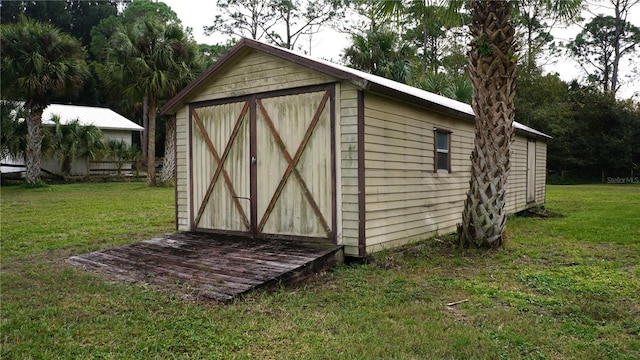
362 79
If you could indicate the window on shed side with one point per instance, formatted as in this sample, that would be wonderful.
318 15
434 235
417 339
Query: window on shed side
442 159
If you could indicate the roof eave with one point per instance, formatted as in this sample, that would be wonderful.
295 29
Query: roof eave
540 136
381 89
532 133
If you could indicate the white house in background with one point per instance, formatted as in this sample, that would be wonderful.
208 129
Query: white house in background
113 126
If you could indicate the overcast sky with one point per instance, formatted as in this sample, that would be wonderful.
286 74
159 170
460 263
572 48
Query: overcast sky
329 44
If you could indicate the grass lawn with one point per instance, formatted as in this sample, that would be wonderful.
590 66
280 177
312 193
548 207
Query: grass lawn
564 288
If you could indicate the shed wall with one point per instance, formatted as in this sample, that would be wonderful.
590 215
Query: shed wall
541 172
348 162
112 134
517 186
258 72
182 169
405 199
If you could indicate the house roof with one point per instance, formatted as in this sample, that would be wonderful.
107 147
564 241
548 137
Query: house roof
362 79
103 118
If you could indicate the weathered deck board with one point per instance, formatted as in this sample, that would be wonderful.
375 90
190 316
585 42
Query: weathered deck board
212 266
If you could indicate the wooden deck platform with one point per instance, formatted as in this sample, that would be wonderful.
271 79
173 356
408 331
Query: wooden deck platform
212 266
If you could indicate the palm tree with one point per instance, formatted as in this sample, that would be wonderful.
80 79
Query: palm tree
143 60
121 151
73 140
14 137
451 86
430 18
492 66
378 52
187 64
39 63
492 69
14 134
169 161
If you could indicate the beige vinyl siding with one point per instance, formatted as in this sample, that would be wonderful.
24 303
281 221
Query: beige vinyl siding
517 188
541 172
517 183
348 163
405 199
182 169
258 72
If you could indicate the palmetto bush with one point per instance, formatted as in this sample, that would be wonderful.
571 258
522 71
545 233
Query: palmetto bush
73 140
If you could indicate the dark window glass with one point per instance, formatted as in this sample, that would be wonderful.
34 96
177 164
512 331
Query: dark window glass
443 140
442 151
443 161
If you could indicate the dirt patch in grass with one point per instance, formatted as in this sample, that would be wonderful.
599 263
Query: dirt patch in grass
539 212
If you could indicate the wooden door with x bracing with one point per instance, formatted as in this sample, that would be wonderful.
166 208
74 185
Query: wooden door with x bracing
220 167
264 165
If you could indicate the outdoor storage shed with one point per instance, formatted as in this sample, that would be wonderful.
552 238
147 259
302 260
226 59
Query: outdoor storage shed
271 143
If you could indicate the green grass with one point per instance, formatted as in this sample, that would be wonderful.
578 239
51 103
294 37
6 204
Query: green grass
82 216
562 288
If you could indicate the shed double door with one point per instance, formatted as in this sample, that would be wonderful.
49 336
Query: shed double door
264 166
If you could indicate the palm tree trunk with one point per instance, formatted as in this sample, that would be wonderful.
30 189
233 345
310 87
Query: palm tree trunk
151 143
34 146
492 66
169 163
425 39
618 33
145 125
66 166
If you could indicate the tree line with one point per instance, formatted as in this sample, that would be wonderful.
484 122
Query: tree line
134 55
425 44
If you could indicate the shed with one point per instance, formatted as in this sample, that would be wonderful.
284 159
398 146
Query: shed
271 143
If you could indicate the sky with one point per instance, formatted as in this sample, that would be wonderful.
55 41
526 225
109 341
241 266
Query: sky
199 13
329 44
